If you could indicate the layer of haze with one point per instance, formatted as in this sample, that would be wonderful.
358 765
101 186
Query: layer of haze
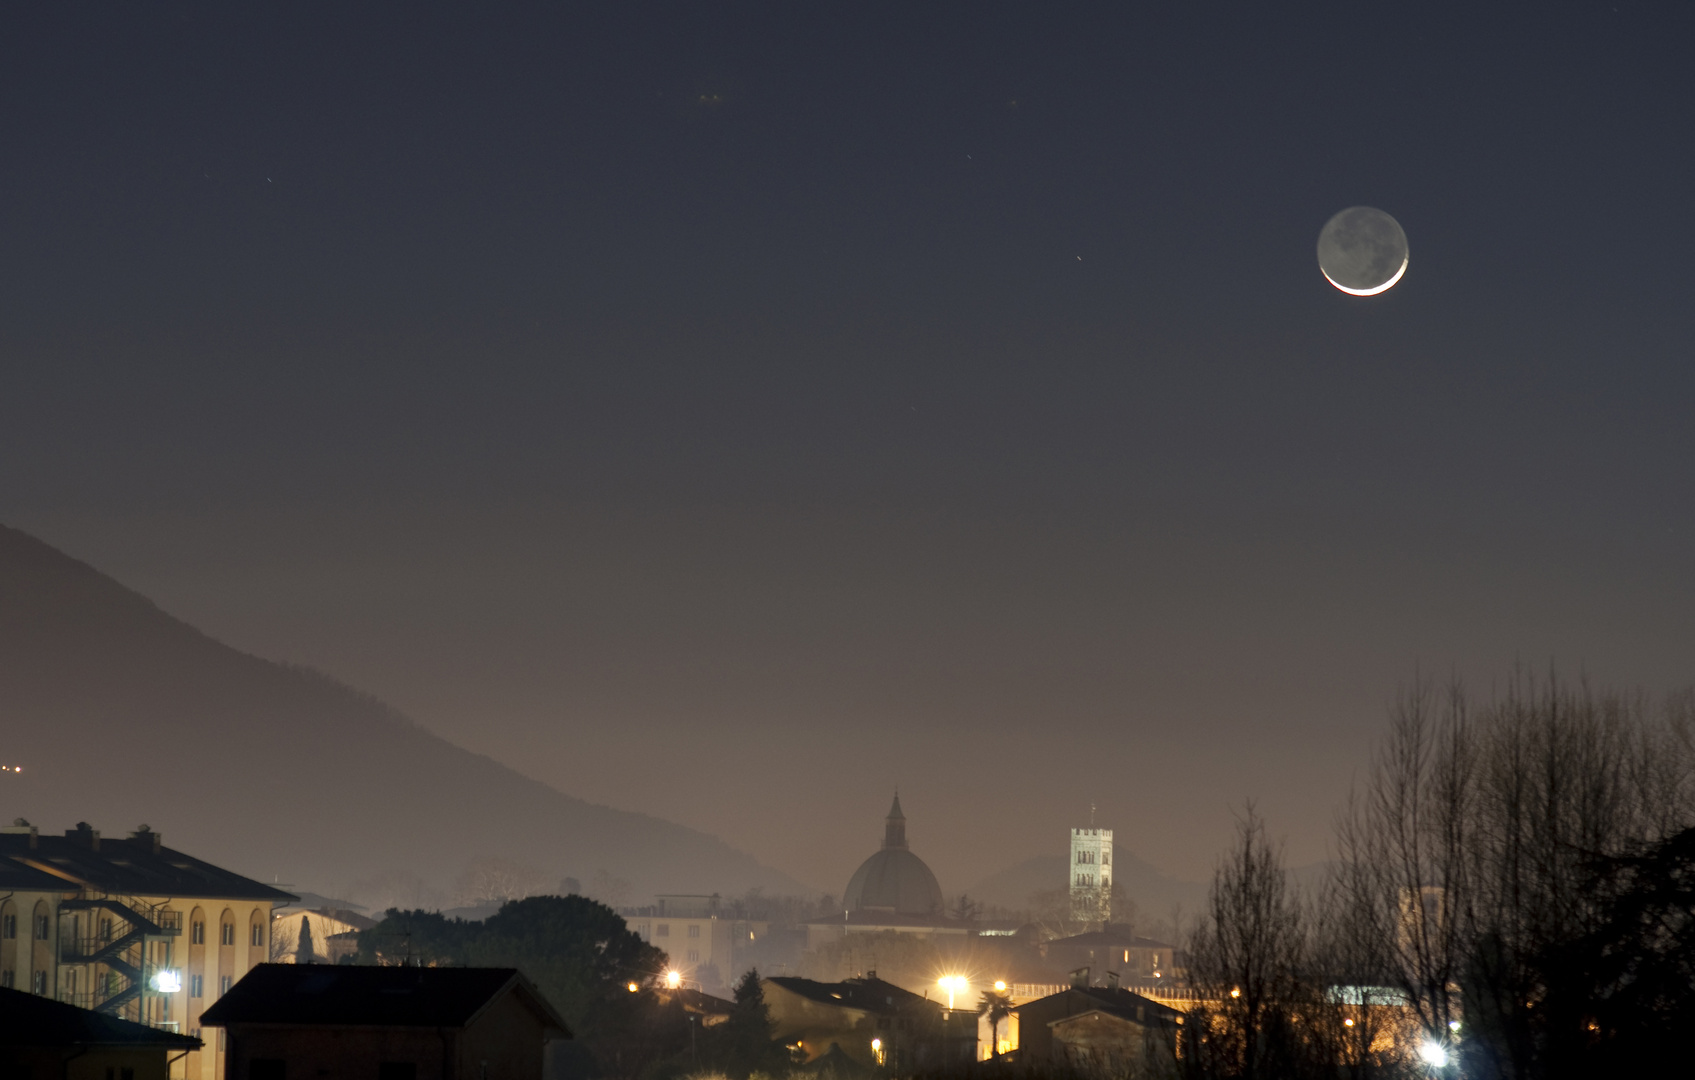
733 413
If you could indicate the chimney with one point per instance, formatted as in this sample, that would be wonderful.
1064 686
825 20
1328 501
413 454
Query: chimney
86 834
21 827
146 835
1112 980
1080 979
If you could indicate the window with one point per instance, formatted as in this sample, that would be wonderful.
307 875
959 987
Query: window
197 933
662 930
1106 858
38 982
694 931
226 934
9 927
258 935
196 985
223 985
397 1070
266 1069
694 956
43 927
7 978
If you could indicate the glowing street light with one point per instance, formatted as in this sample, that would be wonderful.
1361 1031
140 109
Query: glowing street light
632 987
1000 986
167 982
1433 1054
673 979
953 984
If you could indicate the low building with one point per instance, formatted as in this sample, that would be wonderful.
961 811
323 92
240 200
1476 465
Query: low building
703 937
129 927
1115 950
1097 1029
875 1023
293 1022
50 1040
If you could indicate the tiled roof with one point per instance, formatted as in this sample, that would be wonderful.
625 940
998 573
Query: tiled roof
871 994
346 995
28 1020
1095 938
1113 1000
128 867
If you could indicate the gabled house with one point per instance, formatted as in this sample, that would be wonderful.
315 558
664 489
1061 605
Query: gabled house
873 1022
302 1021
50 1040
1101 1029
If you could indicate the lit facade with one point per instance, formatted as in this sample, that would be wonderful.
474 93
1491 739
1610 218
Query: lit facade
1091 875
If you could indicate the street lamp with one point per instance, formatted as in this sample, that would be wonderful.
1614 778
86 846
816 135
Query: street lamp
953 984
673 979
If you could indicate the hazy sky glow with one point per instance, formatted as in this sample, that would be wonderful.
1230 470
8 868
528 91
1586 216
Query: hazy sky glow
712 408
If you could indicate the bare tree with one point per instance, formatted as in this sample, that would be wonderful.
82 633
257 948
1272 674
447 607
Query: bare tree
1463 862
494 881
1247 956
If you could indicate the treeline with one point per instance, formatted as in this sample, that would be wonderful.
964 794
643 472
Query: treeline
585 961
1513 897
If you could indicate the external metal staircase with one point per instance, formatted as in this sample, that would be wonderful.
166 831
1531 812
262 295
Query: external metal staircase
124 954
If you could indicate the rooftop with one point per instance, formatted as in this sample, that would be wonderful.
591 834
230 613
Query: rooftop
139 865
869 993
28 1020
351 996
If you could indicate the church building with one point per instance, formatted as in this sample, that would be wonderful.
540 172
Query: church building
891 890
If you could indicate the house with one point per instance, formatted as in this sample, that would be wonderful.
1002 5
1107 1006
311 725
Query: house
703 937
329 934
300 1022
1092 1029
51 1040
1113 950
875 1023
128 927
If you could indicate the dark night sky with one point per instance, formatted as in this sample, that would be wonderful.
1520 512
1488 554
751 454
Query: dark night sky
711 408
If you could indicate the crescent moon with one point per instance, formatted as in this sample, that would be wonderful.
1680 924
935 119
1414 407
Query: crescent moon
1390 284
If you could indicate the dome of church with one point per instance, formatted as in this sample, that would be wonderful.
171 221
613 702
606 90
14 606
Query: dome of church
894 879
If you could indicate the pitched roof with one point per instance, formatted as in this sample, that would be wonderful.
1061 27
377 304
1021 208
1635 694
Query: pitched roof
870 994
128 867
1119 1002
16 877
28 1020
347 995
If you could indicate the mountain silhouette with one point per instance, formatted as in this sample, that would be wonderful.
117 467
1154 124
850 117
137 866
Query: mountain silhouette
120 714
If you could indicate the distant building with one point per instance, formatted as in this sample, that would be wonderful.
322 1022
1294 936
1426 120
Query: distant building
331 933
291 1022
1116 951
703 937
1091 875
129 928
893 890
50 1040
873 1022
1097 1030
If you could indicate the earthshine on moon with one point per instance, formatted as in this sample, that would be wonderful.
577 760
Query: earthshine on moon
1362 251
